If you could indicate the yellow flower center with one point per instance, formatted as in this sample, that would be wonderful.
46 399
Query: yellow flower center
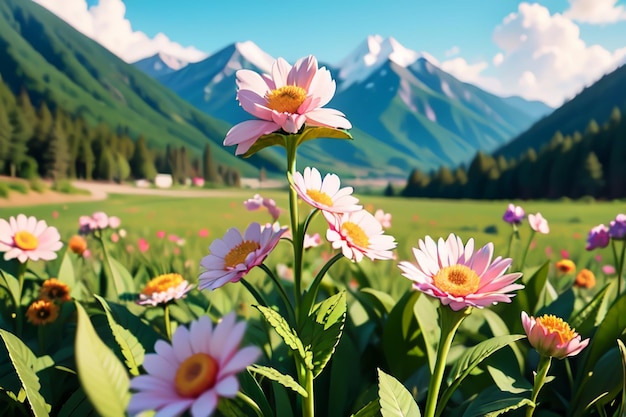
457 280
320 197
25 240
357 236
238 254
286 99
556 325
195 375
162 283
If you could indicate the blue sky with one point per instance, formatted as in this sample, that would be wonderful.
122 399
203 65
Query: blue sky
475 40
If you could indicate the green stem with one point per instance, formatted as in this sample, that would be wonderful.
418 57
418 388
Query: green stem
617 268
449 321
257 295
168 323
311 295
281 290
250 402
525 253
21 272
296 232
514 234
540 378
621 269
308 408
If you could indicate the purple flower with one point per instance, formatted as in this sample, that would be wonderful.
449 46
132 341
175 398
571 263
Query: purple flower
598 237
617 228
513 214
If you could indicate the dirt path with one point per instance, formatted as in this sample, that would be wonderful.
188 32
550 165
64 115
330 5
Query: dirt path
100 191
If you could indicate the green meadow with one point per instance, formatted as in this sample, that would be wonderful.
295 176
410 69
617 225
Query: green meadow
413 219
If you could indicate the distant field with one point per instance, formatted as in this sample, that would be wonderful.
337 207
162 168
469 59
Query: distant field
143 216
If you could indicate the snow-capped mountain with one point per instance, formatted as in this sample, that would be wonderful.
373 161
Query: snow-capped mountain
406 112
160 64
210 84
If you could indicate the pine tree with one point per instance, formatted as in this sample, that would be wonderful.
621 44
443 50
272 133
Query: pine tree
592 178
56 159
142 164
21 133
209 170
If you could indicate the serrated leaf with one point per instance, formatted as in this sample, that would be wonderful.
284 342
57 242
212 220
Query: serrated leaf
283 329
101 374
130 347
22 359
322 331
285 380
395 399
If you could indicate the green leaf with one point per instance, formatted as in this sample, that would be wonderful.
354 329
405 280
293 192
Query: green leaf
66 275
123 280
427 316
77 405
586 319
379 299
499 328
507 383
395 399
322 331
308 133
285 380
371 409
23 359
401 338
11 284
283 329
535 286
101 374
130 347
622 351
493 402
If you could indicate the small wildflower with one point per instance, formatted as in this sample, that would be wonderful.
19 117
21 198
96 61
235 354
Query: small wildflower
538 223
77 244
565 266
42 312
551 336
598 237
54 290
513 214
585 279
27 238
163 289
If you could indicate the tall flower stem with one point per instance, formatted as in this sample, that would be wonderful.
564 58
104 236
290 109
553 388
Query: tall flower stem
19 317
449 321
514 235
619 265
296 232
168 323
308 409
540 378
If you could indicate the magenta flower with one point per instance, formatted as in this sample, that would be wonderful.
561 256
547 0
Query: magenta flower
97 221
324 194
192 373
551 336
160 234
359 234
257 202
513 214
27 238
254 203
235 255
538 223
458 276
598 237
617 227
284 100
143 245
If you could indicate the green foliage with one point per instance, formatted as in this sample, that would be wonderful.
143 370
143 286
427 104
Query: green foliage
395 400
66 187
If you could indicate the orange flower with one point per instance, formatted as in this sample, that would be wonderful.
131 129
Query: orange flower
54 290
585 279
42 312
77 244
565 266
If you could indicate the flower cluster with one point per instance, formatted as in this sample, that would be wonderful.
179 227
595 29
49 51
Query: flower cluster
45 309
97 221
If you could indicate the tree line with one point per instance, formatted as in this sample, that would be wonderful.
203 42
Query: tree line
590 164
45 142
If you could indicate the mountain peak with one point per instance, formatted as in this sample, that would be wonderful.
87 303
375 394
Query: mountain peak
251 52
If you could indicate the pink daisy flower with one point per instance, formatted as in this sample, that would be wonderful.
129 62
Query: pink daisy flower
458 276
235 255
284 100
192 373
312 241
551 336
383 218
359 234
324 194
538 223
163 289
27 238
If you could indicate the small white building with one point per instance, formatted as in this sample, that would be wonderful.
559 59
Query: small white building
163 181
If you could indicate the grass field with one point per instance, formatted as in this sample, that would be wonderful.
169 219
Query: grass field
144 216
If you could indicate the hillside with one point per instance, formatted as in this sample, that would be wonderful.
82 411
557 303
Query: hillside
60 66
595 102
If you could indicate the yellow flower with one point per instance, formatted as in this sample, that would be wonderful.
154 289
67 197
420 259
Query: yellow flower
54 290
585 279
565 266
164 288
42 312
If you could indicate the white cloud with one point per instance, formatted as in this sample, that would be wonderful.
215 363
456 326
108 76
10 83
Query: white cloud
452 51
544 58
595 11
106 23
469 73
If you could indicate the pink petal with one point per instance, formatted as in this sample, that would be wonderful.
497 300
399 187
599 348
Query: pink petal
327 118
